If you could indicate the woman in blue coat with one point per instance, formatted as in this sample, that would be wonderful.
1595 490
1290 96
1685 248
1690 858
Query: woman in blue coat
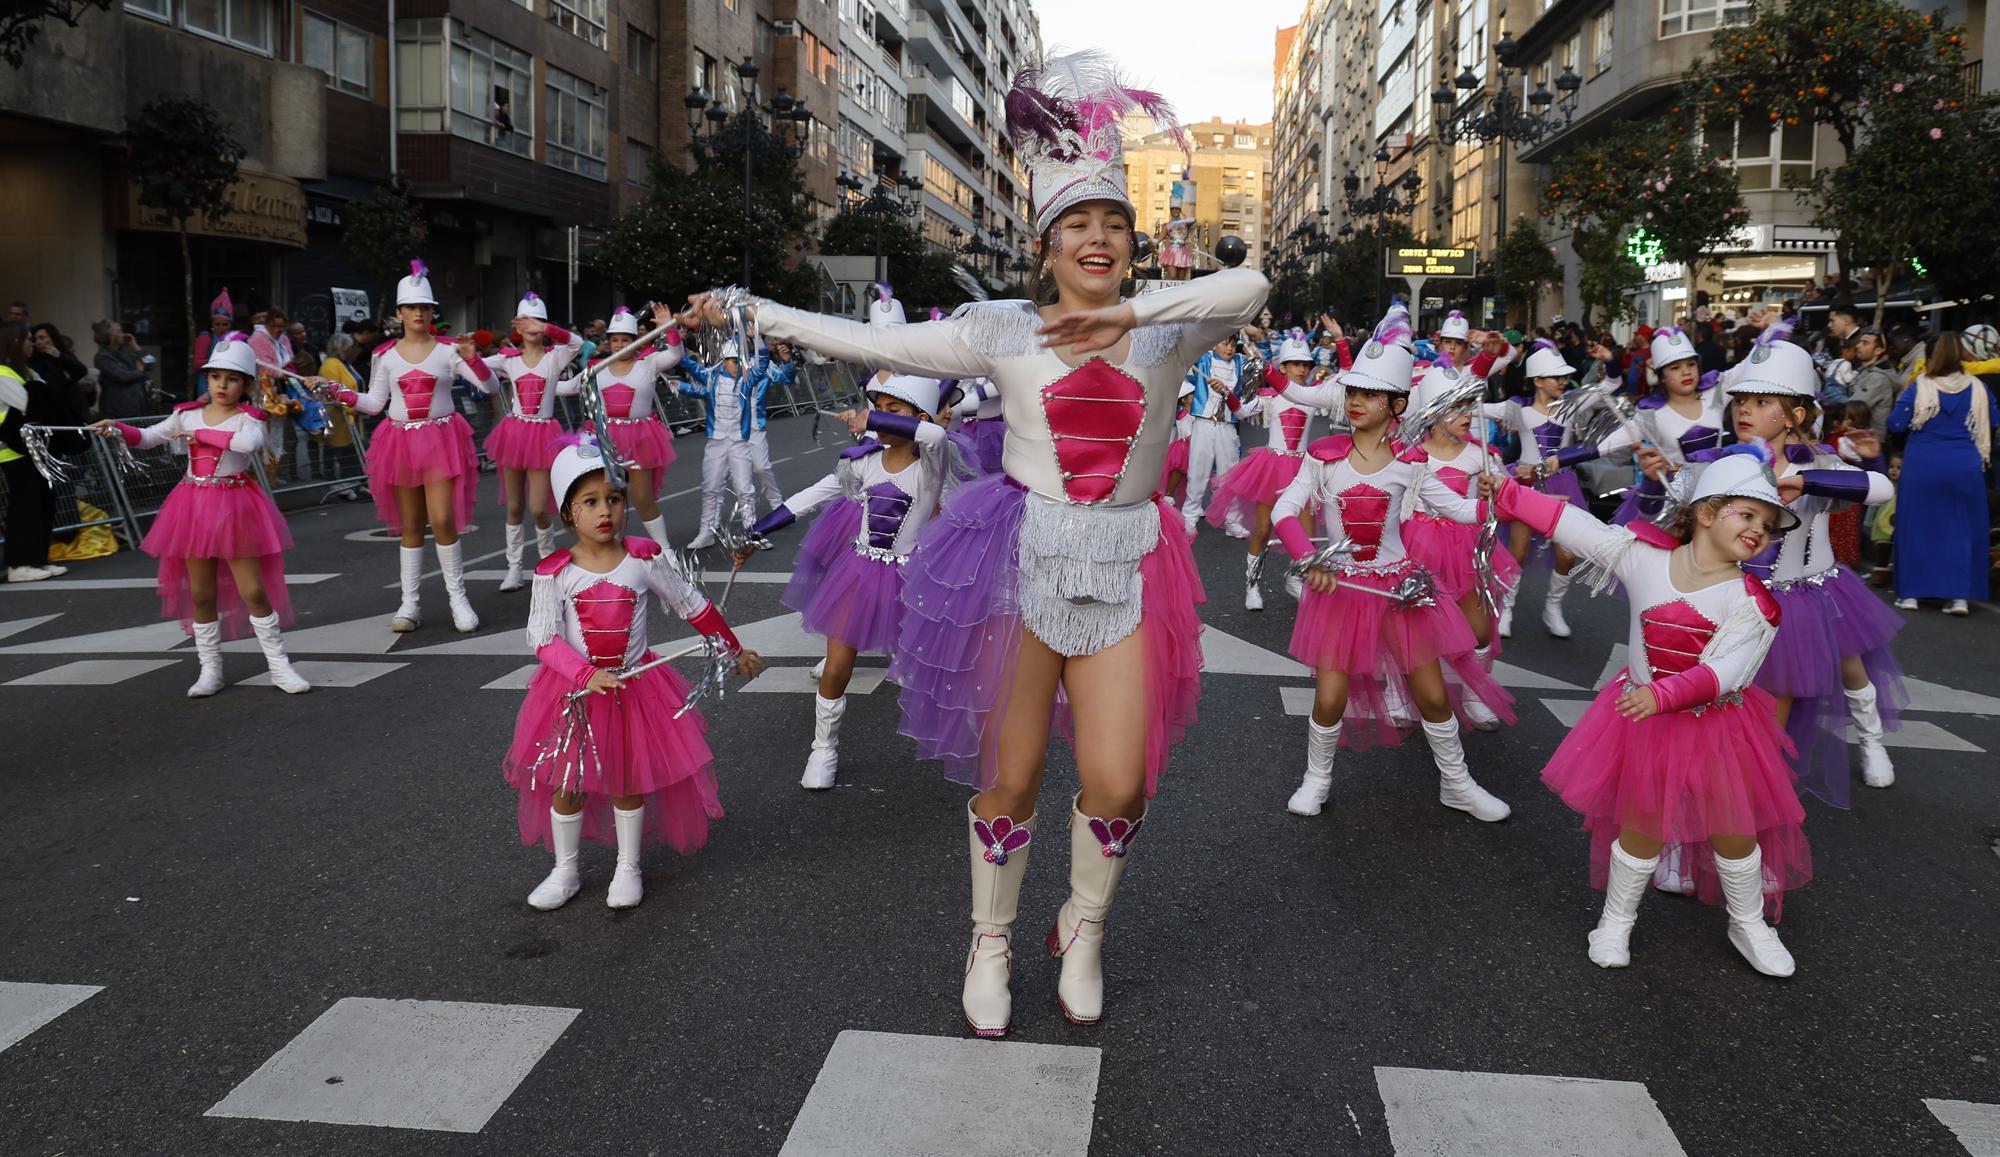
1941 515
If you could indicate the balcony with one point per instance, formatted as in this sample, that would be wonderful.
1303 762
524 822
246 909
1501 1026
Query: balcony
941 118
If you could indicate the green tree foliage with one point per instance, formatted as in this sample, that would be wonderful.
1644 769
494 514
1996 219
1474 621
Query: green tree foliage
920 274
1527 265
21 23
1344 276
184 157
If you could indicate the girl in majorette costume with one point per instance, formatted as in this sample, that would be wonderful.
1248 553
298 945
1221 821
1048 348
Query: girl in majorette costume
982 417
1682 748
629 385
1444 546
220 539
1362 643
1834 644
1065 573
522 444
422 468
1176 256
1456 338
1247 493
1214 446
1683 416
645 774
1542 462
848 580
1173 472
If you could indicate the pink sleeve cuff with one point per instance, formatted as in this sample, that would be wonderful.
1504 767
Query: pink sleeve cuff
1691 688
1297 542
1276 379
130 434
711 624
345 396
556 334
1346 354
1518 503
212 437
560 657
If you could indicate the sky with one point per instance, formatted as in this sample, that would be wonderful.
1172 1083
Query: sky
1209 59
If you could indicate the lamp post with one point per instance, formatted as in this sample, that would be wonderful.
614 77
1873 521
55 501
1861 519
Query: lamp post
1502 116
706 145
881 202
1386 199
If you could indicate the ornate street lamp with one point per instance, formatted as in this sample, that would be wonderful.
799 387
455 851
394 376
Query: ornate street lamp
790 127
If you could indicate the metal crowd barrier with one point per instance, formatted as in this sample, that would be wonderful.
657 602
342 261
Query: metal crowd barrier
93 480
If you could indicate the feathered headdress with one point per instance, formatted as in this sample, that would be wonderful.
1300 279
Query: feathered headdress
1063 117
1388 359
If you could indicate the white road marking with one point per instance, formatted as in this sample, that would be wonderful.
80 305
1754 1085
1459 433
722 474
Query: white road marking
1520 678
1297 700
369 636
16 626
1440 1113
401 1064
1224 654
151 637
329 674
786 681
1613 663
777 577
1921 735
781 637
1567 710
892 1095
138 584
509 642
91 673
27 1007
1976 1126
1937 697
515 680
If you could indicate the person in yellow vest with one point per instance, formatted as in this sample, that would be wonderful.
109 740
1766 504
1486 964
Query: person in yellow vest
30 501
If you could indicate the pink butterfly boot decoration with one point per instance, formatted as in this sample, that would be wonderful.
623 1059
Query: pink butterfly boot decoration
1002 837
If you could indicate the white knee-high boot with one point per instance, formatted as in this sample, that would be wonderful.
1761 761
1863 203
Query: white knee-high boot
628 887
1456 787
1552 610
997 871
1321 743
1876 768
1624 887
1477 712
656 529
208 651
545 540
1743 894
451 561
1505 628
825 757
411 560
565 834
1253 583
517 544
1098 849
272 642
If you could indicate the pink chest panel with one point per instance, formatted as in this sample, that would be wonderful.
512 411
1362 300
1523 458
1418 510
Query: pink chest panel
1459 481
1293 423
202 459
618 400
529 388
1675 634
1094 413
1364 511
418 388
605 611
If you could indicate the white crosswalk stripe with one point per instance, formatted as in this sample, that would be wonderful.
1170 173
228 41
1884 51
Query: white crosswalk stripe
1976 1126
27 1007
91 673
1442 1113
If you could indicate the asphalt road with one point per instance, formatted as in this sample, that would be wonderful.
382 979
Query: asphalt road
227 872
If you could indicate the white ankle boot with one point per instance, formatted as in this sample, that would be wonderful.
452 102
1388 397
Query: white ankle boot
411 560
627 886
272 642
451 561
517 545
1321 742
703 540
1505 628
999 852
1552 610
656 529
545 540
1624 887
825 757
565 833
1876 768
1097 853
208 651
1253 584
1456 787
1675 873
1743 894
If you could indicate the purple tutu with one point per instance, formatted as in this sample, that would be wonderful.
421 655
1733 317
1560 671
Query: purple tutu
962 628
647 444
1638 505
642 750
1823 623
841 594
1255 481
413 455
523 443
1562 484
220 522
989 441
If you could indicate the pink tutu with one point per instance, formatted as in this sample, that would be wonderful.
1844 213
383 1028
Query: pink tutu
220 522
647 444
1376 643
523 443
1682 778
417 454
1445 548
841 594
1253 482
1177 463
641 750
962 628
1176 257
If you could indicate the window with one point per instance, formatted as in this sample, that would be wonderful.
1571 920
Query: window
1771 157
1682 16
583 18
450 78
346 55
1569 54
767 37
159 9
1472 38
731 4
641 53
704 72
1601 43
250 24
638 161
573 124
1245 141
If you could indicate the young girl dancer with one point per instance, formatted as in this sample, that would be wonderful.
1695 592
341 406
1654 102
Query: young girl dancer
1682 747
849 575
629 385
646 772
1063 574
1685 414
1361 643
220 539
1541 435
421 465
1248 491
522 443
1444 546
1833 646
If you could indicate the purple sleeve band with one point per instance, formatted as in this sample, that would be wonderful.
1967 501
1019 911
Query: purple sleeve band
1569 456
778 519
1841 485
1649 485
900 425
